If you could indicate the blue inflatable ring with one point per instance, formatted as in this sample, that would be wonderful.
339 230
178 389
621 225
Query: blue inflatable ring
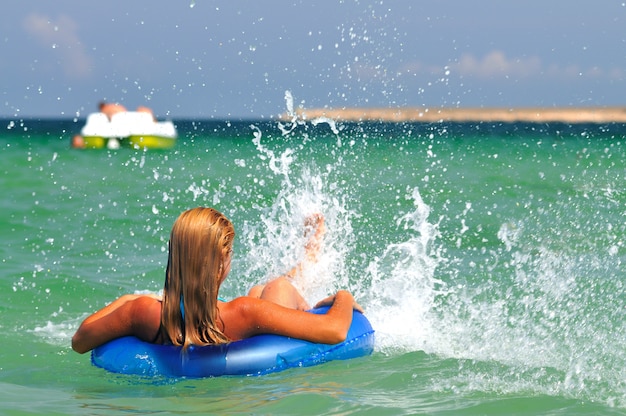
258 355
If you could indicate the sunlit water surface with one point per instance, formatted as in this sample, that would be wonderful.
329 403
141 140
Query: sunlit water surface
489 258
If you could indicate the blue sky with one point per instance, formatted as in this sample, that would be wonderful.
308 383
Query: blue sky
235 60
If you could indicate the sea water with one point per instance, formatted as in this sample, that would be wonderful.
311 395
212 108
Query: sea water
489 257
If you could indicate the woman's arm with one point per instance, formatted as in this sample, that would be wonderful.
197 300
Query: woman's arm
247 316
138 315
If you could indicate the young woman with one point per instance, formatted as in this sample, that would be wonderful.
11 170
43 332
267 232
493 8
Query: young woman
200 252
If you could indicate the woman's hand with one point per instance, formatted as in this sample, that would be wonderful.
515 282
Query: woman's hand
331 299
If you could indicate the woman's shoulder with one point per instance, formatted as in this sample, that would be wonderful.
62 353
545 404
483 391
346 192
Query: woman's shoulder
147 317
239 315
236 306
148 301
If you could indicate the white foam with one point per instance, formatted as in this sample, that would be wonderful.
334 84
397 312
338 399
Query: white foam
58 334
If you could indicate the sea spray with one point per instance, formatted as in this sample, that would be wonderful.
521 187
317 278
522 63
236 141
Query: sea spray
404 286
276 244
278 164
538 312
296 120
398 286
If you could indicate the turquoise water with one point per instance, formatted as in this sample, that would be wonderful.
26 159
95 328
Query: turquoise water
489 258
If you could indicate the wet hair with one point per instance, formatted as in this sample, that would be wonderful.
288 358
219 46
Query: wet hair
200 243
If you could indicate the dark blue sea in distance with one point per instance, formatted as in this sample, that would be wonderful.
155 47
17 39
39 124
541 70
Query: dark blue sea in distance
490 258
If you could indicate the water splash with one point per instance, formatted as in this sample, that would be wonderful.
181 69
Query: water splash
404 287
296 120
540 319
278 164
277 244
399 288
58 334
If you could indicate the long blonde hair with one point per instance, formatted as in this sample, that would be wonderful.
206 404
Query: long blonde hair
200 243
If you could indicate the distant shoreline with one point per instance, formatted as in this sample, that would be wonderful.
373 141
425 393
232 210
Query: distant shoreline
509 115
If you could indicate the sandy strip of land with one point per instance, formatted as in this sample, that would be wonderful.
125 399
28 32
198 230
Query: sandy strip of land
535 115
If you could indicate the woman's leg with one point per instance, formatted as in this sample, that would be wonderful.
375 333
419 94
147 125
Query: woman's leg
281 292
